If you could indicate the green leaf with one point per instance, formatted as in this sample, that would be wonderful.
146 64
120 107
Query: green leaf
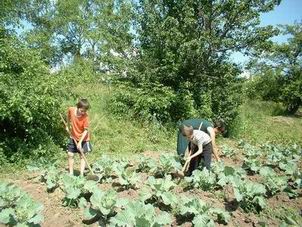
104 202
238 195
260 201
6 215
222 216
145 194
21 225
90 186
163 218
37 219
266 171
168 198
229 171
90 213
122 202
142 221
203 220
83 203
73 193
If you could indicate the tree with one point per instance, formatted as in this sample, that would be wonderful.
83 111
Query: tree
185 46
29 95
79 29
40 16
11 13
281 68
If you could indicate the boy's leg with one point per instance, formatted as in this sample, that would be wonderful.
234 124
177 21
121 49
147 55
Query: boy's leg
207 155
71 149
70 162
86 145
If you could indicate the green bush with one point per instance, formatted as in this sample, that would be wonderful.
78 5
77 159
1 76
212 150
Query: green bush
80 72
30 99
145 102
157 102
161 103
263 87
183 106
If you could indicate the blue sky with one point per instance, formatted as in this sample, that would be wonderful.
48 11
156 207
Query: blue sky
288 12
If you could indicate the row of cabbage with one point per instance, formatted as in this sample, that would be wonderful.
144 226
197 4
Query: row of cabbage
157 191
154 194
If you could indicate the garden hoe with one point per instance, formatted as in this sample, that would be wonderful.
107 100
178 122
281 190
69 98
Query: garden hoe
183 171
89 177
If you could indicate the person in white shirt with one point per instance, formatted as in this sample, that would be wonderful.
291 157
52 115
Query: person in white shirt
200 148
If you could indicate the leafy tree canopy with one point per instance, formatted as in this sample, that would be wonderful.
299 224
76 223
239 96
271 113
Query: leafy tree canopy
280 69
185 46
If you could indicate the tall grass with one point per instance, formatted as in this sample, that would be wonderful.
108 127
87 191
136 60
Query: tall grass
261 122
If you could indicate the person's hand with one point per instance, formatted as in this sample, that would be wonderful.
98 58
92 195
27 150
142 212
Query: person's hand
186 165
79 146
188 159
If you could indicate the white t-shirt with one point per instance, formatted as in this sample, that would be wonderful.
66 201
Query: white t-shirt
200 138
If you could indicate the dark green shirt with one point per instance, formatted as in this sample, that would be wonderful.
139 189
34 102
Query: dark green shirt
182 142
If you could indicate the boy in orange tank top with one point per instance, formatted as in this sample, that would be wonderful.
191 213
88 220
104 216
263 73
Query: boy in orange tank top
78 121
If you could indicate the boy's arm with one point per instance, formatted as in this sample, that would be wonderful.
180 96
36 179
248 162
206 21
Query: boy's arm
83 135
86 125
197 153
79 145
194 155
215 149
187 152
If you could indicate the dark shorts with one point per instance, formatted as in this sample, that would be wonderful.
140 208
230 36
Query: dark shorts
72 147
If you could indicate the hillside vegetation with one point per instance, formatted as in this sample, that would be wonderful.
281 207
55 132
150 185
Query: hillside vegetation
264 121
144 66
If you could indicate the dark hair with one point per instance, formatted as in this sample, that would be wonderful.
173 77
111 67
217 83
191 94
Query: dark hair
220 125
186 130
83 103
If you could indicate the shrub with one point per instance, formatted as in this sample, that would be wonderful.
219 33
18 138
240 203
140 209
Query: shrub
30 99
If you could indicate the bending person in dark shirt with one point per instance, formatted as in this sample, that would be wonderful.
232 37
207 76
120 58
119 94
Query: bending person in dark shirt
201 124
